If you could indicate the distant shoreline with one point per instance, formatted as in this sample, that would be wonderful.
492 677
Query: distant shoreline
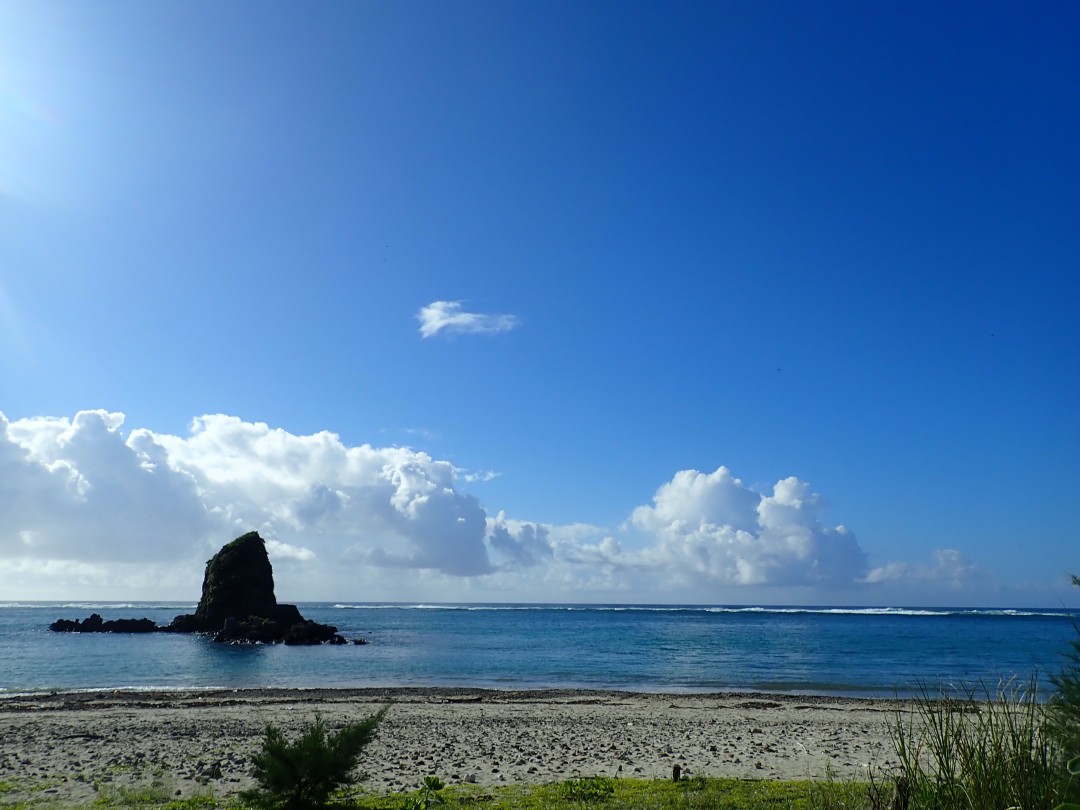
196 740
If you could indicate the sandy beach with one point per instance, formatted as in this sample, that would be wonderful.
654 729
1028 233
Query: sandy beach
67 746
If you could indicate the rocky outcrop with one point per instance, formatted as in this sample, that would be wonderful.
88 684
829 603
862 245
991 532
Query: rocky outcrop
267 631
95 624
238 584
237 605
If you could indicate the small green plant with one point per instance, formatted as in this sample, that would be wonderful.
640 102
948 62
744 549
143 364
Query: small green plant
588 789
427 796
301 775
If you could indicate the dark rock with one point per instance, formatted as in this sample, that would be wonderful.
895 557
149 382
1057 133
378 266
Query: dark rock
253 630
185 623
309 632
95 624
239 582
237 605
287 615
130 626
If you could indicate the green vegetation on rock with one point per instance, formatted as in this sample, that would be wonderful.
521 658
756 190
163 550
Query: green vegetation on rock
238 583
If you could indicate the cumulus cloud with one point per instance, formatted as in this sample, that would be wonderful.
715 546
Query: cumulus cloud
75 490
87 504
949 568
711 528
519 544
80 490
401 502
449 317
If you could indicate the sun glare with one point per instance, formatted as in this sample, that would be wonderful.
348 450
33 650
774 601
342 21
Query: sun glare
37 79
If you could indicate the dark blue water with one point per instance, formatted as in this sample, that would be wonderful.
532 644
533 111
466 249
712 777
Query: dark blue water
879 652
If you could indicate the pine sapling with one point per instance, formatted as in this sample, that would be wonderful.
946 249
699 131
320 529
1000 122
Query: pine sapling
302 774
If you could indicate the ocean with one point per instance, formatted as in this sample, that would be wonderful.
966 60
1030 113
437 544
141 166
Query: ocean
880 652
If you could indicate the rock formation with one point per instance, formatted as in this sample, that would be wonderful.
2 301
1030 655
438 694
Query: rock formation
238 584
95 624
237 605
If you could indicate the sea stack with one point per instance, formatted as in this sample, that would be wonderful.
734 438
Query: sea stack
238 584
237 605
238 602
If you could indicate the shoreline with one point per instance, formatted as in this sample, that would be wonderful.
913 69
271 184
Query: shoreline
83 698
69 746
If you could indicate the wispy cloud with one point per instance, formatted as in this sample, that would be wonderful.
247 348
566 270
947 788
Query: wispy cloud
481 476
449 317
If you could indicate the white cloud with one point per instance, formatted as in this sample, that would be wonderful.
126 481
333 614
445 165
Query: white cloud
78 490
949 568
277 550
711 528
85 508
449 317
399 503
74 490
481 477
517 544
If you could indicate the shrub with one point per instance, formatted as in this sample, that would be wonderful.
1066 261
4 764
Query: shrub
301 775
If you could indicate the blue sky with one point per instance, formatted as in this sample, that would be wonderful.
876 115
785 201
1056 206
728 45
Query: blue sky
569 301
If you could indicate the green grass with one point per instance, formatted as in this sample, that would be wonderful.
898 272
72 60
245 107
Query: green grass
978 752
643 794
154 794
7 786
587 793
24 786
157 795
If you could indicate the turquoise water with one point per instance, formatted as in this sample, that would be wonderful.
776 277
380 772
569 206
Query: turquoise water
847 651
